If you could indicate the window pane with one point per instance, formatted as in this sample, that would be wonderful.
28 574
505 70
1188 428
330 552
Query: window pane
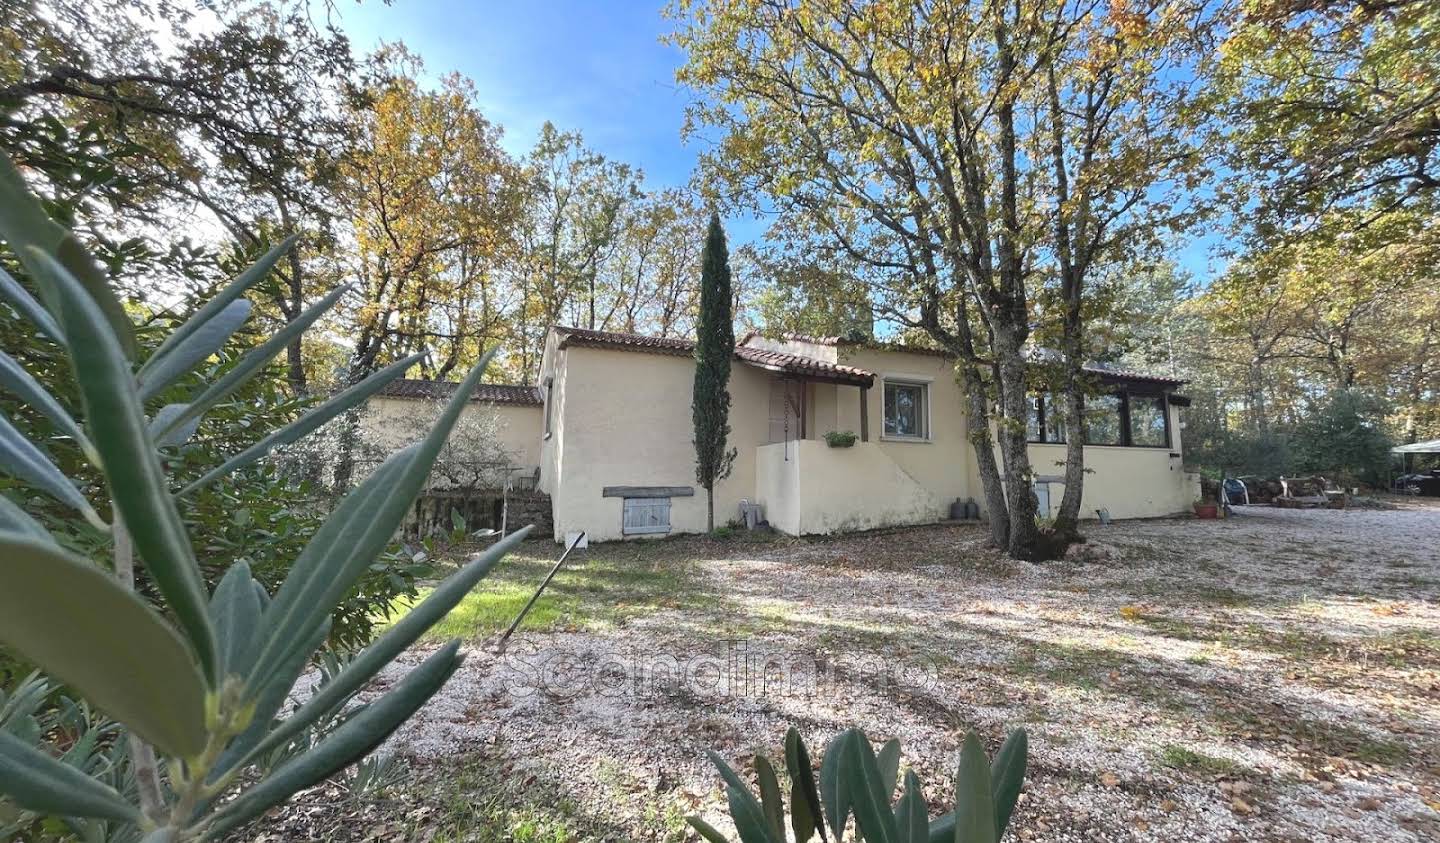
904 410
1102 420
1032 420
1147 420
1054 418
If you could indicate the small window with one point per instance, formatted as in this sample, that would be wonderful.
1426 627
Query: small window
1148 422
1102 420
646 515
906 413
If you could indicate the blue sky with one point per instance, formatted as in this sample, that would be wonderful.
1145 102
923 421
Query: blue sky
598 67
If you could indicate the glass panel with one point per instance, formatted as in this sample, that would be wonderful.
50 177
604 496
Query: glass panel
1147 420
904 410
1054 418
1102 420
1032 420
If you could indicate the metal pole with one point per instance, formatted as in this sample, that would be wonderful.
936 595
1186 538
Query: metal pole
499 647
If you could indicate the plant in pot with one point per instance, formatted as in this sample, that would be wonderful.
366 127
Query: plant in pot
1205 509
840 438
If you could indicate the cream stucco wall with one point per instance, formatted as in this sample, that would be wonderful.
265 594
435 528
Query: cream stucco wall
1129 482
517 427
623 419
809 488
944 463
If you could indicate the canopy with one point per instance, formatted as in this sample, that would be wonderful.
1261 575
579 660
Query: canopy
1431 447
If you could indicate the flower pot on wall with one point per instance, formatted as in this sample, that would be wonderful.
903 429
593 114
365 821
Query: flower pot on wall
843 439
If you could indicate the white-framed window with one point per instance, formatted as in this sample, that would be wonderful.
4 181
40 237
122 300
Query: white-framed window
907 409
646 515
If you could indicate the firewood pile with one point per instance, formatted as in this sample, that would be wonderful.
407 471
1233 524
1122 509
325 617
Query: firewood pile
1294 492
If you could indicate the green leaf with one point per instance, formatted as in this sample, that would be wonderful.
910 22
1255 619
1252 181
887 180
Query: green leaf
254 361
770 800
309 422
16 520
871 803
232 291
357 530
1007 775
911 815
745 811
270 697
235 614
29 309
25 460
172 436
805 813
889 766
14 378
706 830
749 818
204 342
835 787
40 783
350 742
131 466
404 632
31 232
79 625
974 803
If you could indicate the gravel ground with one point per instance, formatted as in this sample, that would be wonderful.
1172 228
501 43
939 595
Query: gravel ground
1273 676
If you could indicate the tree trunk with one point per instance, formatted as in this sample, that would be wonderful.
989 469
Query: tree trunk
1416 390
1014 450
1067 520
996 512
1072 286
291 309
709 509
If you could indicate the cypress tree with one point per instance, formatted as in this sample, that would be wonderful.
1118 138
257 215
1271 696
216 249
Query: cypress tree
714 349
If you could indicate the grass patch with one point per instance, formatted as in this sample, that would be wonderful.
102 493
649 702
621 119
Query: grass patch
602 587
1180 758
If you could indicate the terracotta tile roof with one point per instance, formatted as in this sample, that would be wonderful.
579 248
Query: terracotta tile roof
1105 372
676 346
489 393
1123 375
796 364
775 361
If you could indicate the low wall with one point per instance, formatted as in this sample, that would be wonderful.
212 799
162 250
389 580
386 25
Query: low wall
481 509
807 488
1130 482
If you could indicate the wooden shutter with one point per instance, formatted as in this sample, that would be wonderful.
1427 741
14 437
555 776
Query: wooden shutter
646 515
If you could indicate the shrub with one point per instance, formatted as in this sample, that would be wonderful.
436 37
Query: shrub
855 779
263 513
840 439
203 685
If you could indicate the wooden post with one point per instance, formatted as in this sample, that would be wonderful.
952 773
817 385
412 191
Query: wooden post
864 414
804 403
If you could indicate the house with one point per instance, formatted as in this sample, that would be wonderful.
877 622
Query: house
515 409
611 429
